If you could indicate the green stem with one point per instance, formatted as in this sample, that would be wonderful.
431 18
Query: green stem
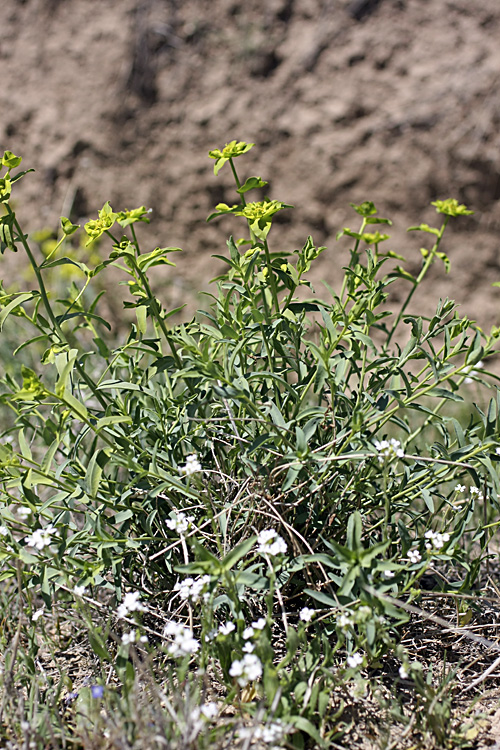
56 326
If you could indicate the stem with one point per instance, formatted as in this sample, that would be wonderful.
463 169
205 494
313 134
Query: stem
43 292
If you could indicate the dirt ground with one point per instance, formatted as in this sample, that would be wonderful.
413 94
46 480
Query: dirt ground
394 101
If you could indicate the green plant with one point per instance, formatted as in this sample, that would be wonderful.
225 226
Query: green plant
296 458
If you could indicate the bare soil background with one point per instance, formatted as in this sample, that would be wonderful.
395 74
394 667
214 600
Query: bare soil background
395 101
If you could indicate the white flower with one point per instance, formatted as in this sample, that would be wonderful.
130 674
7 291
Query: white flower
355 660
414 556
344 622
194 589
180 523
259 624
403 672
389 574
192 465
129 604
248 633
41 538
246 670
248 648
143 639
497 451
4 530
79 590
388 450
270 543
306 614
227 628
476 492
209 710
460 488
183 641
268 735
36 615
23 512
435 540
130 637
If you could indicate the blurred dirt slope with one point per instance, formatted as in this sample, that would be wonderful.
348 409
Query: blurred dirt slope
396 101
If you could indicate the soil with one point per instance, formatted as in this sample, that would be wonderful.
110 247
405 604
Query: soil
394 101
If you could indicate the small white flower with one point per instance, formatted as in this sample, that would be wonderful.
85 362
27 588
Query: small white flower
388 450
460 488
129 604
180 523
306 614
476 492
209 710
194 589
41 538
227 628
403 672
436 540
192 465
36 615
268 735
129 637
344 622
248 648
248 633
143 639
389 574
183 641
79 590
414 556
4 530
246 670
23 512
355 660
259 624
270 543
497 451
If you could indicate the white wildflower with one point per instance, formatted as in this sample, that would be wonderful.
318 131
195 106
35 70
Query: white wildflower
23 512
389 574
192 465
180 523
268 735
246 670
249 647
306 614
403 672
259 624
194 589
497 451
414 556
344 622
183 641
270 543
209 710
355 660
36 615
129 604
248 633
227 628
41 538
476 493
79 590
436 541
388 450
130 637
4 530
460 488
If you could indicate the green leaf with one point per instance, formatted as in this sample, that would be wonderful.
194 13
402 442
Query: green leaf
68 227
241 550
250 184
13 304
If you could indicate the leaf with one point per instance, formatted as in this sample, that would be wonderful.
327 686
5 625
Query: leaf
241 550
24 297
250 184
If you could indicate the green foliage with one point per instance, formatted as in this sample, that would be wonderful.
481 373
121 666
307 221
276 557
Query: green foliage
300 454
